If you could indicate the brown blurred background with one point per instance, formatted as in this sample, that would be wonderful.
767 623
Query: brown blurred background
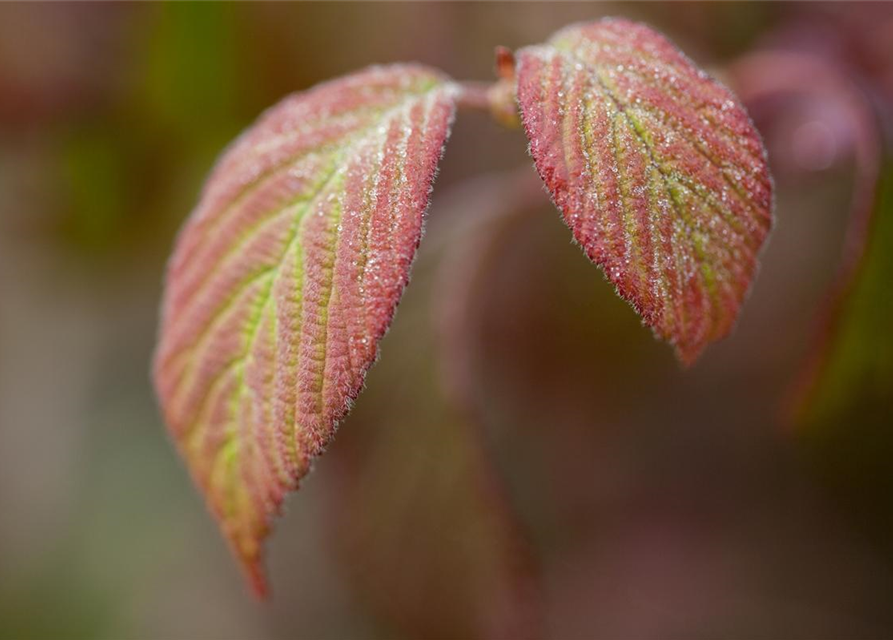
526 458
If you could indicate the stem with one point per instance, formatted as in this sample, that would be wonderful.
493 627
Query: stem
474 95
496 98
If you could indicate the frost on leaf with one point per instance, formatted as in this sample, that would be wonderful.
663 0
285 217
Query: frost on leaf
285 277
657 169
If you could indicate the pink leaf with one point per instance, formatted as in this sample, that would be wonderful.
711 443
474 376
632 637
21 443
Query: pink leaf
284 279
657 169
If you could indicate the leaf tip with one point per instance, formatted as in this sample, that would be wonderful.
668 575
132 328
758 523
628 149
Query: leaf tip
257 578
688 355
247 547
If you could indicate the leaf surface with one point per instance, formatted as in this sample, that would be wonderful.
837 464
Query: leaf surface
657 169
285 277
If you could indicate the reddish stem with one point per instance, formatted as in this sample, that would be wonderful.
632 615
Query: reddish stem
475 95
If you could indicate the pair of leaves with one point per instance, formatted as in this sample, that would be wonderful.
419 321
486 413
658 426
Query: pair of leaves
287 274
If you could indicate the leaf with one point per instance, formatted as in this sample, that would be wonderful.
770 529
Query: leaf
841 403
284 279
428 540
658 170
844 404
421 520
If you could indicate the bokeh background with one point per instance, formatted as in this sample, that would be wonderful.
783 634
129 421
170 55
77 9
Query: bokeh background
526 460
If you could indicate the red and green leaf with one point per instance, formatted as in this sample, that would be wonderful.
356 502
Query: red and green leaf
284 279
657 169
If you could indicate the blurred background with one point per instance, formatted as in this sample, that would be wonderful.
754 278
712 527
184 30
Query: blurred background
526 460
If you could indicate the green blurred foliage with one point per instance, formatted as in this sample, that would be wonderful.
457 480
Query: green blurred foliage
194 72
95 173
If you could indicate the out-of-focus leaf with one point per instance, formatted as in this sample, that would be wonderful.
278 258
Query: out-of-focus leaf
284 279
428 539
843 400
493 205
777 77
846 402
658 170
858 358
